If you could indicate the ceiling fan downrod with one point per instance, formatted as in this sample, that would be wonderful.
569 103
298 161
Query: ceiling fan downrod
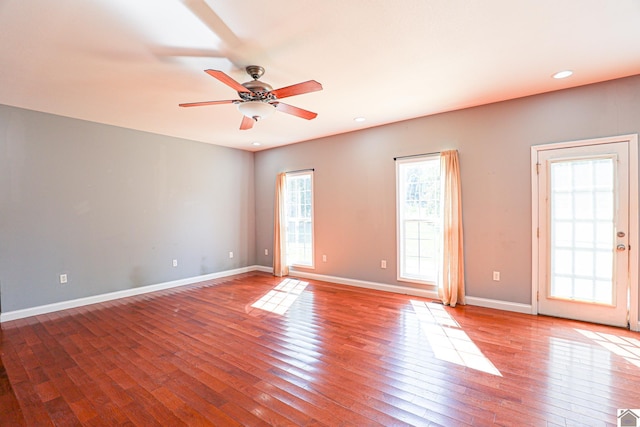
255 71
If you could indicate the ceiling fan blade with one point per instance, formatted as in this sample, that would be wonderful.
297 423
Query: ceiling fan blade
247 123
227 80
167 52
299 112
208 17
297 89
203 11
200 104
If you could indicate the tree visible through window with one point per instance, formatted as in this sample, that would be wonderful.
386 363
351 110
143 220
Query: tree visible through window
299 219
419 218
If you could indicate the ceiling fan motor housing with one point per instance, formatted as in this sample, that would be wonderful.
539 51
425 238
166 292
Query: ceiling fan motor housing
259 91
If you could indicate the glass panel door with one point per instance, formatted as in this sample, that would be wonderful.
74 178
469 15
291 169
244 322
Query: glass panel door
583 224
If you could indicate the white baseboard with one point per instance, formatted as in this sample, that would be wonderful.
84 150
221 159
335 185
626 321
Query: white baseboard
368 285
64 305
480 302
500 305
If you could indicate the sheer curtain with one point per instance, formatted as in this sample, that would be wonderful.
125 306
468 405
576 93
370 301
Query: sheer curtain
280 267
451 286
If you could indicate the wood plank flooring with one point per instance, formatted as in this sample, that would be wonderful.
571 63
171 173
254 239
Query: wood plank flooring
251 350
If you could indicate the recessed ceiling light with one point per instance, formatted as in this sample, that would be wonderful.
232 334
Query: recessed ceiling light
256 144
562 74
359 119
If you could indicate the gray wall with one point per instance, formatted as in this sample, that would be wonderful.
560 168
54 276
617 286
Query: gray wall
113 207
355 182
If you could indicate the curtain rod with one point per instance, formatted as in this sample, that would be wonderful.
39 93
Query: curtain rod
302 170
416 155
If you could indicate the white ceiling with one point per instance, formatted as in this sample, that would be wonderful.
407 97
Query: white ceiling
130 63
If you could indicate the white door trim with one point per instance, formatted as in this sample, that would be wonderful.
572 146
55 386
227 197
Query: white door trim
634 229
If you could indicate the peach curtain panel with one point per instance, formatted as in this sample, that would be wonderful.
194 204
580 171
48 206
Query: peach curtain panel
280 267
451 286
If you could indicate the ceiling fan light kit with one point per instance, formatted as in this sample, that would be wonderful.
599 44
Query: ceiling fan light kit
258 99
256 110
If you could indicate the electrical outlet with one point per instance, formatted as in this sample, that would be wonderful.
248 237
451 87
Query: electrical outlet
324 258
63 278
230 254
175 262
383 263
496 276
266 251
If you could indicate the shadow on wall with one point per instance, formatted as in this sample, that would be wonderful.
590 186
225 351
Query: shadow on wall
204 269
136 277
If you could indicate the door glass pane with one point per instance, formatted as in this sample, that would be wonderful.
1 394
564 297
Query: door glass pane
582 230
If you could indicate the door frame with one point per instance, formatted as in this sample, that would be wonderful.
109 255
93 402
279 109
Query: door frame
632 140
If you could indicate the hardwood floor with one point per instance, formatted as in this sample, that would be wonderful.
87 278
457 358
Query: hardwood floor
213 354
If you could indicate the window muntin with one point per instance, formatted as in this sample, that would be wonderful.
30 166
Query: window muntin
419 219
299 219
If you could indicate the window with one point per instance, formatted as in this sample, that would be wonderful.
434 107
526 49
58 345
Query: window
299 219
419 218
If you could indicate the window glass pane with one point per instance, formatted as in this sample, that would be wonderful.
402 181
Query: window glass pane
583 205
299 209
562 287
603 290
562 206
582 174
583 289
413 247
563 262
604 175
604 204
604 265
419 218
583 263
584 234
563 234
604 235
562 177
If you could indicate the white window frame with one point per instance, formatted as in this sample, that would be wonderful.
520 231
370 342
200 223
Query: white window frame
400 244
311 265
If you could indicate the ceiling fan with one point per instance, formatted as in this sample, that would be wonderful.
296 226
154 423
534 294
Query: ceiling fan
258 99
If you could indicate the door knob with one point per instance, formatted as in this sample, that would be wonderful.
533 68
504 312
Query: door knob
621 247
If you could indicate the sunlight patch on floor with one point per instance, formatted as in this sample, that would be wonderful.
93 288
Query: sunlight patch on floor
627 347
447 339
279 299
